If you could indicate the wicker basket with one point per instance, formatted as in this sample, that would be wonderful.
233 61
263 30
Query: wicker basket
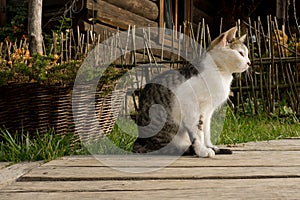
32 106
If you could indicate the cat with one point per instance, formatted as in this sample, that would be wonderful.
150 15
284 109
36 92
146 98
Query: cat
176 107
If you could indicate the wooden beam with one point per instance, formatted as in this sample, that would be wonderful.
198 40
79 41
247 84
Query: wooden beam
117 17
144 8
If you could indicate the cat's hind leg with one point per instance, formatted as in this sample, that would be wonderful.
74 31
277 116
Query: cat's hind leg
181 141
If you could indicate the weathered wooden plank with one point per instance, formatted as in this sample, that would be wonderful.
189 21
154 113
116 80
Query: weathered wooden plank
247 174
9 174
117 17
149 185
3 164
144 8
104 173
273 145
238 159
175 189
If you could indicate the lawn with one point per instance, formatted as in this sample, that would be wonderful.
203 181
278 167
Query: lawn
48 146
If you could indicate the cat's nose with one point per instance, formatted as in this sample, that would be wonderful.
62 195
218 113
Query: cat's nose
249 63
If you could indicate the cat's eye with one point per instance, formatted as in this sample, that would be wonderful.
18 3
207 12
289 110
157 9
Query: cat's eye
242 54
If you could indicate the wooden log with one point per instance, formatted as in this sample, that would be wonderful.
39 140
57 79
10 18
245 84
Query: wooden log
98 28
117 17
144 8
105 31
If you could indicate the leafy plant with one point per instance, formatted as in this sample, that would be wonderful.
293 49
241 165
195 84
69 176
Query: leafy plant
42 69
16 27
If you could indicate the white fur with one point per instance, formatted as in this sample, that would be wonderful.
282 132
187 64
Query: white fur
203 94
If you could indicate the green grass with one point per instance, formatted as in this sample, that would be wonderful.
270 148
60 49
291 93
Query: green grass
22 146
241 128
19 147
119 141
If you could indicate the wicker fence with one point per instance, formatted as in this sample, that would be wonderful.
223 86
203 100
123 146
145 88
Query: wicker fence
272 85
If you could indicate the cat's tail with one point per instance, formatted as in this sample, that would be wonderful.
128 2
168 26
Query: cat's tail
138 148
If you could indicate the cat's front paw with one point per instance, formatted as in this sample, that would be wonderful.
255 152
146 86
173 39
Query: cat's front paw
208 153
205 152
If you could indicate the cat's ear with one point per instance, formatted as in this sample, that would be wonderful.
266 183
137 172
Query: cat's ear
243 38
224 38
230 34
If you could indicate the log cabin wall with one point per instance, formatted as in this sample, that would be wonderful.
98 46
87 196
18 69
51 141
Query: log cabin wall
110 15
107 16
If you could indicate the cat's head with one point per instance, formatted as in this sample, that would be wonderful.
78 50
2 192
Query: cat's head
230 53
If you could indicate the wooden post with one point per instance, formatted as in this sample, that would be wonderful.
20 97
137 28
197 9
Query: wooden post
176 16
35 26
161 13
281 11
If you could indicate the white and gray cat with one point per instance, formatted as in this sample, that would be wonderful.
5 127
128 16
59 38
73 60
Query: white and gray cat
175 109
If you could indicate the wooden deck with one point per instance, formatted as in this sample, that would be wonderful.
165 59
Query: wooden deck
264 170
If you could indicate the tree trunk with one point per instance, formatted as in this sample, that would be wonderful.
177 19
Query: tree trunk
35 26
